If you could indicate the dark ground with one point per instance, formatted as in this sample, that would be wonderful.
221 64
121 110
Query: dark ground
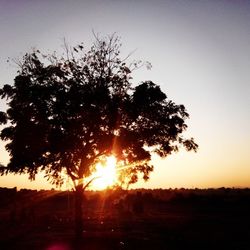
148 219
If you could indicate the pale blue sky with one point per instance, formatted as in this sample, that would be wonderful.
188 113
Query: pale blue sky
200 52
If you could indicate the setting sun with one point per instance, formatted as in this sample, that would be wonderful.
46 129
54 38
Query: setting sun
105 174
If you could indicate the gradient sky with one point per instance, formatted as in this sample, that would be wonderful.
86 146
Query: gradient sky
200 52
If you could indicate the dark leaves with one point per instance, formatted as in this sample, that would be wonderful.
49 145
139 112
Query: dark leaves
3 118
147 94
7 91
7 133
190 145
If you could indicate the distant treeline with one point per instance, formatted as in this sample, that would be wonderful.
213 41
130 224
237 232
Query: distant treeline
52 206
9 196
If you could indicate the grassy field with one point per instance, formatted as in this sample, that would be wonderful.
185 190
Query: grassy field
145 219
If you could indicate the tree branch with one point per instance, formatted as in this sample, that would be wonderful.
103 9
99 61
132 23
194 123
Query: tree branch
89 182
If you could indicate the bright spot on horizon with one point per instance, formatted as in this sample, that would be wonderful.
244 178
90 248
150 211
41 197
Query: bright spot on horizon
105 174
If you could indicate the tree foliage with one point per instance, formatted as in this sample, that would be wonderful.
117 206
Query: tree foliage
66 113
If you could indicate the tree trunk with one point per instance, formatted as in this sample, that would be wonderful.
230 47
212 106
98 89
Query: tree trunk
78 212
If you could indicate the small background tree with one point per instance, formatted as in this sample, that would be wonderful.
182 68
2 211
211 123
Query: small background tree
65 114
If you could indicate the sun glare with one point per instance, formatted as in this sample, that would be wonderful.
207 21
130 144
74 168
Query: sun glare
105 173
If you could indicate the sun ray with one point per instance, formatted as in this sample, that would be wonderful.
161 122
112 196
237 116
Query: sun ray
105 174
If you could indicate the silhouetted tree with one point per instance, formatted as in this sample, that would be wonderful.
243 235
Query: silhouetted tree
67 113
